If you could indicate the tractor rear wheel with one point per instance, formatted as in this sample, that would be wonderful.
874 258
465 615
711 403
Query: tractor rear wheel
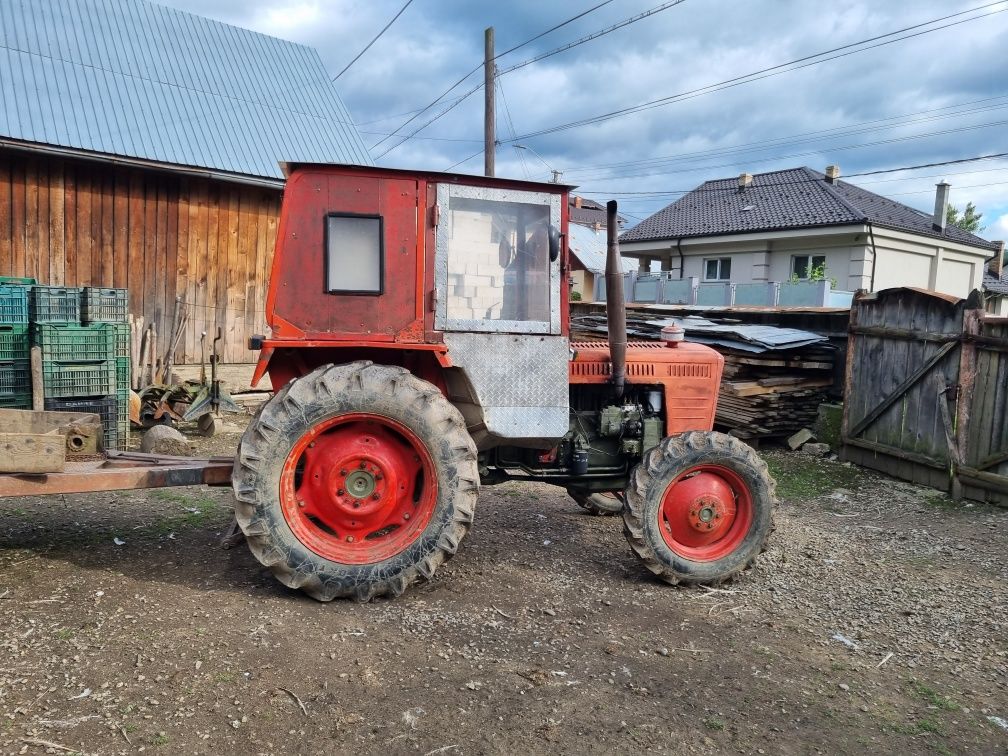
699 508
600 504
355 480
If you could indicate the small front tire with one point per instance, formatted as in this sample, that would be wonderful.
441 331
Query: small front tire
699 508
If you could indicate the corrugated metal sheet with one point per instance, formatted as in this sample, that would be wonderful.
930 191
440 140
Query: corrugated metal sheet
588 246
135 79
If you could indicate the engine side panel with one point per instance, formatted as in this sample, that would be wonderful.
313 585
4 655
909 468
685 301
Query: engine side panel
690 375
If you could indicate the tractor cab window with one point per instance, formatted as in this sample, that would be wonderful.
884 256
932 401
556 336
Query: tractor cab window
495 251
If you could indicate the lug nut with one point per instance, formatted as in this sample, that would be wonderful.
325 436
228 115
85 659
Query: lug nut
343 473
301 503
406 516
363 465
349 539
378 476
375 497
356 504
311 444
340 492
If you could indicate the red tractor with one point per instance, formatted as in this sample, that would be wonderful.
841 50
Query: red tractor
420 349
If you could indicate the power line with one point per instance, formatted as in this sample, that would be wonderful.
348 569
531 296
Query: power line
377 36
776 70
767 184
835 148
444 94
595 35
592 36
507 113
460 162
904 119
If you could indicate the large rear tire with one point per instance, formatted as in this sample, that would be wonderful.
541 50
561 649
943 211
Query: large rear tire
699 508
354 481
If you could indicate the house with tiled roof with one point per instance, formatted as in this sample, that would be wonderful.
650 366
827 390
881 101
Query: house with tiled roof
799 224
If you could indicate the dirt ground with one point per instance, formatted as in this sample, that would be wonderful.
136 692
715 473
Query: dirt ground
877 622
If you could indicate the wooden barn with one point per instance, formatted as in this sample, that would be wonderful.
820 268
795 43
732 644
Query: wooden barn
140 148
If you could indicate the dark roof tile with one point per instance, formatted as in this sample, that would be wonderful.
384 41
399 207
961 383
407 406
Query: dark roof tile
784 200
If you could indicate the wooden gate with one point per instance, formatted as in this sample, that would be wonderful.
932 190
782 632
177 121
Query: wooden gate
926 392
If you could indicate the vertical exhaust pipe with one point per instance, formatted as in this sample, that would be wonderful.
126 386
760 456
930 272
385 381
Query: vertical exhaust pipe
615 305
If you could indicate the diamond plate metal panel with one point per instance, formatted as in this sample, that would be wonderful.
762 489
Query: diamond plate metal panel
521 381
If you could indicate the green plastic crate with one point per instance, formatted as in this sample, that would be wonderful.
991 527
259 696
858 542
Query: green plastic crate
74 379
123 338
15 377
104 305
13 305
54 304
123 373
14 344
17 281
74 343
16 401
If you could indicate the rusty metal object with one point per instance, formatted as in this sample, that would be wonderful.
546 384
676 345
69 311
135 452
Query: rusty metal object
121 471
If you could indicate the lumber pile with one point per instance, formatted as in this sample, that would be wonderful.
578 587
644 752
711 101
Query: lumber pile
774 378
773 394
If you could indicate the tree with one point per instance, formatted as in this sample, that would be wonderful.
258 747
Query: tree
968 220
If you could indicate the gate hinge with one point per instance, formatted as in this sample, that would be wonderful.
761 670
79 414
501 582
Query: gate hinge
435 215
432 300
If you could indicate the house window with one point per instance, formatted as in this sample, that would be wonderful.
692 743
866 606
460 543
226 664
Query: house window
717 269
803 266
354 252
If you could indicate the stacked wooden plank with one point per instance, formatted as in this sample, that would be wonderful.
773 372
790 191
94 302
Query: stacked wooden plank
773 394
774 378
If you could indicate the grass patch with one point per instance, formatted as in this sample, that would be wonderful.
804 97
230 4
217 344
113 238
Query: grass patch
65 633
932 697
160 739
799 476
714 724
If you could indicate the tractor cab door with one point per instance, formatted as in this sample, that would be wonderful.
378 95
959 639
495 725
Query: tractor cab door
498 289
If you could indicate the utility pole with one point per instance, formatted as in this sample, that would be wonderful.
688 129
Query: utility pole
489 116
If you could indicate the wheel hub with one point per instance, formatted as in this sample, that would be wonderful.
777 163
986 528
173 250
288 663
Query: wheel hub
705 513
363 489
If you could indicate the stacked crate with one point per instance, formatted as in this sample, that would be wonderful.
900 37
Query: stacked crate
79 354
15 373
111 308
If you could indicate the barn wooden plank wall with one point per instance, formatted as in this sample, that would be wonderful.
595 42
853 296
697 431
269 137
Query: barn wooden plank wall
161 235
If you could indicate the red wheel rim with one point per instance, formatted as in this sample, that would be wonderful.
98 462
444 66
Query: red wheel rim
358 488
705 513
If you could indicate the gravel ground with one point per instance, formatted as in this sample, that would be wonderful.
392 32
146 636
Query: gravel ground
877 621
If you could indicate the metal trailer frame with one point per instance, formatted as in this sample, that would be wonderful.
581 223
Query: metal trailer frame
120 470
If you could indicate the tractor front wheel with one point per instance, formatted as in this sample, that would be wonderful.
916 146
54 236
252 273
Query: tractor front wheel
355 480
699 508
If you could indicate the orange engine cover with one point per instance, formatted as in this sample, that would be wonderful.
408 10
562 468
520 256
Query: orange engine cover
689 374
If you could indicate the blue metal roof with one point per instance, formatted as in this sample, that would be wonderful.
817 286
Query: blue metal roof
588 246
135 79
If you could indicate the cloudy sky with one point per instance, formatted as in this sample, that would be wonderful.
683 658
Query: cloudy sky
939 95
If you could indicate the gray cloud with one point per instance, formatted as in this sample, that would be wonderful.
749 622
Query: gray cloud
694 44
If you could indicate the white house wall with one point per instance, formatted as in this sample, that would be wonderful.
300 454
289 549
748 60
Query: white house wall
904 259
912 260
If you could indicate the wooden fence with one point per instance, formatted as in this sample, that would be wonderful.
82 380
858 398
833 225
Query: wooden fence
926 392
71 222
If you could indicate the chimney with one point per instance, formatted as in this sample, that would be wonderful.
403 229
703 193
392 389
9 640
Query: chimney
996 266
744 180
941 206
832 173
577 202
